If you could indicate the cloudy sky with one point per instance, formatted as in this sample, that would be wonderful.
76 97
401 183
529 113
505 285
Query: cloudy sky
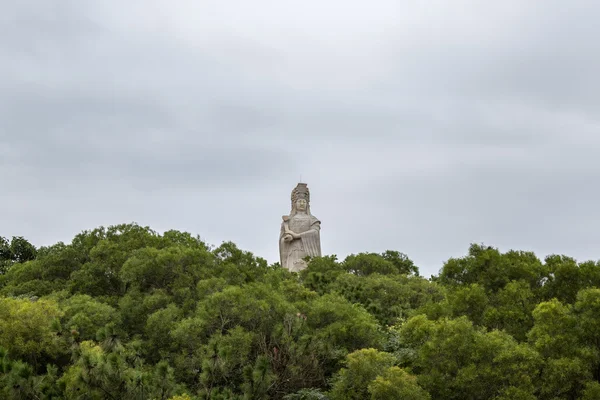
419 126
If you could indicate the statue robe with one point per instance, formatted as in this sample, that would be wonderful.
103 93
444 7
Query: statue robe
309 243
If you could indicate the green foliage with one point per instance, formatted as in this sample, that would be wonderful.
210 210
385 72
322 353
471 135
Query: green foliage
565 279
369 373
361 368
86 315
364 264
592 391
158 332
321 273
343 325
554 332
387 297
455 360
184 396
5 253
403 264
27 329
396 383
470 300
18 250
127 313
306 394
493 270
510 309
19 381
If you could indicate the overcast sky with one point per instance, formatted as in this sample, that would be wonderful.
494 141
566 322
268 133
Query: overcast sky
419 126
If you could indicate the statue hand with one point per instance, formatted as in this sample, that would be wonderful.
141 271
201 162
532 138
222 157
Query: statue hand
288 238
292 234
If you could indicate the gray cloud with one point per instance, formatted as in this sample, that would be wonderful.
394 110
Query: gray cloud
419 127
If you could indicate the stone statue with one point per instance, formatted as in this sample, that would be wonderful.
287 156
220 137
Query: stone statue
299 235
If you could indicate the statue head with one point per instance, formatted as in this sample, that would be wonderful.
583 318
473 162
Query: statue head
300 199
301 204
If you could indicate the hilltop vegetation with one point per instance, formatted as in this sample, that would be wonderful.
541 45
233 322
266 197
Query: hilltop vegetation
126 313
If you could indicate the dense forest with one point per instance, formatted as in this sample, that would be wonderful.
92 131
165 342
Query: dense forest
126 313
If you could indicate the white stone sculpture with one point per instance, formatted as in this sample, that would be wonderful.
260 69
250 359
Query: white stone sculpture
300 232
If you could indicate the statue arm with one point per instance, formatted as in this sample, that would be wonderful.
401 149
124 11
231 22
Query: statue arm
315 227
310 239
285 230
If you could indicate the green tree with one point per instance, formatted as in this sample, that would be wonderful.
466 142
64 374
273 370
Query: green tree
567 365
342 325
171 268
591 391
320 273
225 358
586 311
511 310
125 312
455 360
86 315
395 383
18 250
564 278
306 394
491 269
469 300
403 264
387 297
554 332
238 266
360 370
27 330
21 250
158 332
364 264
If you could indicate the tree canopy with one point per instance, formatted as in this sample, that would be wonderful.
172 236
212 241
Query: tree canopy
124 312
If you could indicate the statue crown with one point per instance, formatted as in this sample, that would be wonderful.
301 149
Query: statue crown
300 192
